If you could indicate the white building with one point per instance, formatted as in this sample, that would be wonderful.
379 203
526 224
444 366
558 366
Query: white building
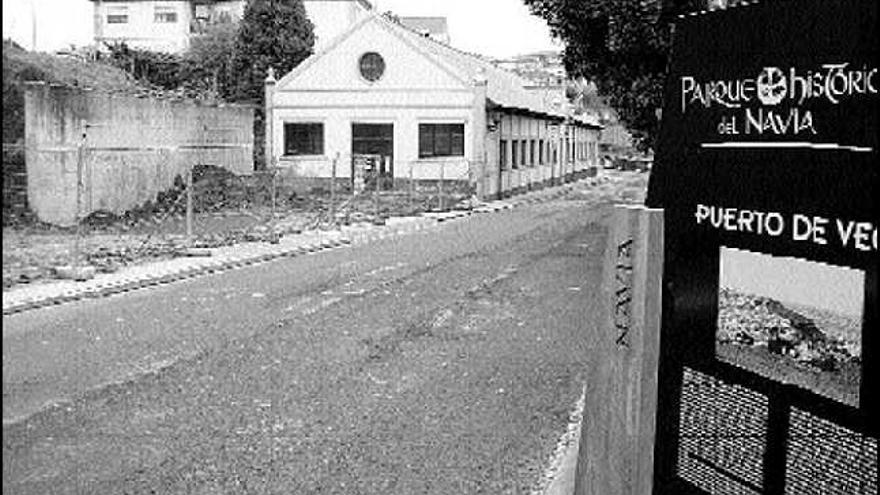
168 25
430 111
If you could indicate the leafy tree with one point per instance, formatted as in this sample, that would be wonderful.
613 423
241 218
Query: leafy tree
620 45
272 33
205 68
161 70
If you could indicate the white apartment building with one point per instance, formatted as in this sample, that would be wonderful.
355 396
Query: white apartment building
169 25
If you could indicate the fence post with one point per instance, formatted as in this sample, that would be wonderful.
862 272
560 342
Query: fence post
412 187
378 176
189 205
440 185
333 189
80 149
273 233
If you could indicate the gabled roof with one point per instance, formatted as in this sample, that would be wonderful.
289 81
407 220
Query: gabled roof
433 25
505 89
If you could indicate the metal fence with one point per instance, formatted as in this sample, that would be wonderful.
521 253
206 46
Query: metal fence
205 206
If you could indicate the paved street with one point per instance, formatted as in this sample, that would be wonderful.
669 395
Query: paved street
443 361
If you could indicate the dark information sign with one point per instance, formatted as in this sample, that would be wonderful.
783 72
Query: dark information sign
767 172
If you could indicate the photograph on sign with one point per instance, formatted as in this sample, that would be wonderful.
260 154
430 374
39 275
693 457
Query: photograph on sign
793 321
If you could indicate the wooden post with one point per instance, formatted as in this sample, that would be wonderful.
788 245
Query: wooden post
189 205
273 234
440 185
333 189
377 177
616 454
80 151
412 187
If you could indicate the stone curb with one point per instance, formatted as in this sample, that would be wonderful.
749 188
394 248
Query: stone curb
220 264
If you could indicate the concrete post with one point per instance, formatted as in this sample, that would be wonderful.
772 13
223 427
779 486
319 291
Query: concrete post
268 123
616 449
477 165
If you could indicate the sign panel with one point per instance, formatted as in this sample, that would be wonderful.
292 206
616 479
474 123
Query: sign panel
767 172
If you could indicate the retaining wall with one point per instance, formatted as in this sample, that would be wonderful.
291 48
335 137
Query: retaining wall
131 147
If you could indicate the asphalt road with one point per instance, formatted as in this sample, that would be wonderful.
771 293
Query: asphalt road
436 362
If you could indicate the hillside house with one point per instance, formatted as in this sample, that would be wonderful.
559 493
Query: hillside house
169 25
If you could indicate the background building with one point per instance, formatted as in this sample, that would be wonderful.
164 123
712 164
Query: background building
168 25
540 68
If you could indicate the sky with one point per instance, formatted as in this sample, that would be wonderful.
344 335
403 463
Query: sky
497 28
796 281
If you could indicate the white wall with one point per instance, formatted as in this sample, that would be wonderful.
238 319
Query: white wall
141 30
413 90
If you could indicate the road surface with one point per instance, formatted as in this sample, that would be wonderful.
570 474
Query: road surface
437 362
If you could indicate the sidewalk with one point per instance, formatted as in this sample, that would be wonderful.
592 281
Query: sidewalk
38 295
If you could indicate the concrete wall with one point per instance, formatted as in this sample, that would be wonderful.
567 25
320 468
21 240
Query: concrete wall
134 147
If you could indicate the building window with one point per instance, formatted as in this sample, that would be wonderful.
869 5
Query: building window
514 154
502 155
117 17
532 151
165 15
541 152
372 66
523 148
303 139
441 140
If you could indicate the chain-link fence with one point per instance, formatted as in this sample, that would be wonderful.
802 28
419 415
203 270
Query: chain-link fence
207 206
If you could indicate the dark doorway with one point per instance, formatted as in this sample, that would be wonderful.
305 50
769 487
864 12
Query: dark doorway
377 141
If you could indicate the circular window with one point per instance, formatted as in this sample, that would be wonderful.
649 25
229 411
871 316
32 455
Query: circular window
372 66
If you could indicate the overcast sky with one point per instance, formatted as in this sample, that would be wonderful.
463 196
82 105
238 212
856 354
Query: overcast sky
795 281
498 28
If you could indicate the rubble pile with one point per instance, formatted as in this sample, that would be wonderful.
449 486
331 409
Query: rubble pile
750 320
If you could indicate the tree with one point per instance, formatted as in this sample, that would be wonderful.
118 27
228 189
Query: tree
272 33
620 45
205 68
161 70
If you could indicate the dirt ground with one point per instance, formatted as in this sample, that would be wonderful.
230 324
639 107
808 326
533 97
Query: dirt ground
32 252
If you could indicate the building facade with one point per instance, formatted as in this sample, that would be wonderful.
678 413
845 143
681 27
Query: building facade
169 25
428 112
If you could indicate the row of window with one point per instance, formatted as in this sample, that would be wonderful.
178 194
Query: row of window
162 15
435 140
441 140
531 152
525 153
